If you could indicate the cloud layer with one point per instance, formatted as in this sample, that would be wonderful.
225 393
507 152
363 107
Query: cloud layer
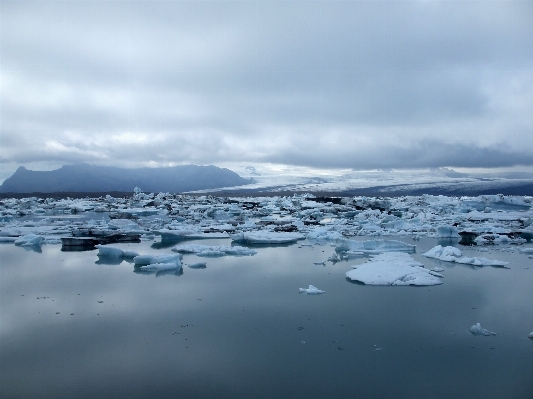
326 84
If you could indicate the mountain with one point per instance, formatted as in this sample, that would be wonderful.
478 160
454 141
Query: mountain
88 178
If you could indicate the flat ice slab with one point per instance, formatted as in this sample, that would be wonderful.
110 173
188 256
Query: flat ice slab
267 237
452 254
477 330
312 290
393 268
374 246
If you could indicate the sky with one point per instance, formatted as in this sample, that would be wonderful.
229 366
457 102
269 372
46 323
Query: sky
320 84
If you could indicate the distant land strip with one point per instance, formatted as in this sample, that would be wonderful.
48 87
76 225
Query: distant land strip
378 191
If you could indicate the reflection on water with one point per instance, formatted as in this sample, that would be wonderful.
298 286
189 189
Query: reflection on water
73 325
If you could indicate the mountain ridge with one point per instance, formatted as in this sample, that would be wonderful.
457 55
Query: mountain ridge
90 178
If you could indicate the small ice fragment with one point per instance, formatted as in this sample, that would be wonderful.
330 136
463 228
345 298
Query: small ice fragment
530 336
312 290
477 330
198 265
29 240
320 263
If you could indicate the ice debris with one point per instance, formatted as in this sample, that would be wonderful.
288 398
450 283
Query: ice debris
393 268
267 237
530 335
477 330
452 254
213 250
373 246
312 290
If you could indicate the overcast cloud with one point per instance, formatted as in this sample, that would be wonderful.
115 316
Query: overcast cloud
341 84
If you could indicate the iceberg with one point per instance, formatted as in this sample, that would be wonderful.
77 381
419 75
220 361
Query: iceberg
393 268
312 290
477 330
373 246
267 237
530 335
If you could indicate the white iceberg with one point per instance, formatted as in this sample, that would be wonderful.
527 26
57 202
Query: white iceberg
373 246
477 330
393 268
213 250
530 335
267 237
312 290
29 240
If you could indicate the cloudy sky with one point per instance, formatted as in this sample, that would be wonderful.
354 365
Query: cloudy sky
326 84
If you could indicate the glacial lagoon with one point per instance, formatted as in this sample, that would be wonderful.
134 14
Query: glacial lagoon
76 325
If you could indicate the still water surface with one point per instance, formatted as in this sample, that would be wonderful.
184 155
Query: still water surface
73 326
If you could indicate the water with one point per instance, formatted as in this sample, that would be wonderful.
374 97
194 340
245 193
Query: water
74 327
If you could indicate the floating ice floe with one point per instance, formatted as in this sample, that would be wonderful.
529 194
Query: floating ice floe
29 240
477 330
312 290
198 265
393 268
213 250
452 254
526 250
164 259
530 335
373 246
114 252
267 237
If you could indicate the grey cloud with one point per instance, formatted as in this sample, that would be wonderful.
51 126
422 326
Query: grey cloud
331 84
